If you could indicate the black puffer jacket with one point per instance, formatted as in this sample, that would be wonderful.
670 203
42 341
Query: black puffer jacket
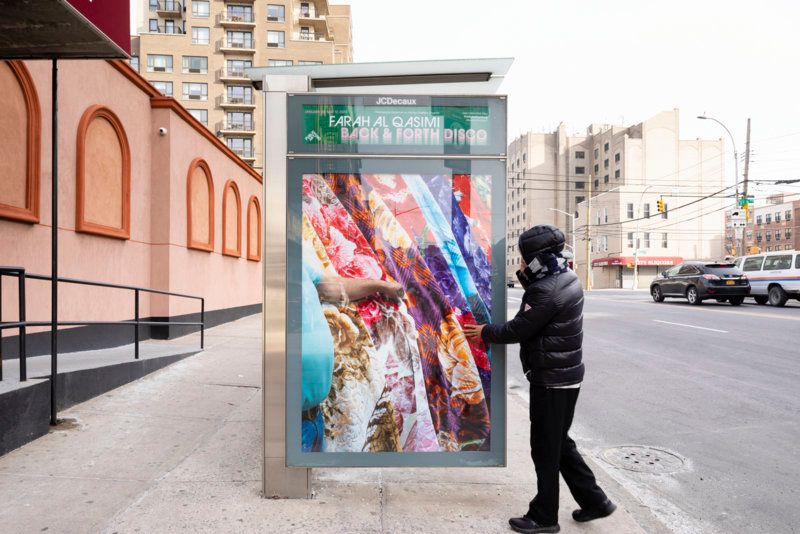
549 329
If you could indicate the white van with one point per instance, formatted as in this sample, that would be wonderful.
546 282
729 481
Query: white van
774 276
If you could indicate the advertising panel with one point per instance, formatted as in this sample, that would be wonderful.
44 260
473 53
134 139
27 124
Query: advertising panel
422 125
393 258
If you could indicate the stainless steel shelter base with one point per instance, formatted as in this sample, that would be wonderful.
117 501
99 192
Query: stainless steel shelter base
279 481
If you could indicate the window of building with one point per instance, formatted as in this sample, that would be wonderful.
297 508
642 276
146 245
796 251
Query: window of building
235 67
759 220
596 152
159 63
777 235
579 199
630 210
630 239
524 157
616 174
240 94
788 233
200 35
103 177
253 229
276 39
768 235
758 236
165 88
200 206
153 5
605 215
788 215
605 179
240 13
169 27
580 185
200 8
306 62
580 154
768 218
665 215
598 218
279 62
195 65
664 240
596 168
646 210
199 114
134 62
605 147
596 184
239 120
580 170
605 163
276 13
769 249
195 91
777 216
153 25
242 146
617 157
647 240
237 39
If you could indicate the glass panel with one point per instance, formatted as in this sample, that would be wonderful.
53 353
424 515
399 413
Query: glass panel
774 263
276 13
753 264
394 256
200 8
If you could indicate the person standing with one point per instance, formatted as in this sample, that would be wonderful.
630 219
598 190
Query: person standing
549 329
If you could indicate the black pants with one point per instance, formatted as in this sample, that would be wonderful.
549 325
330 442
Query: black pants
553 451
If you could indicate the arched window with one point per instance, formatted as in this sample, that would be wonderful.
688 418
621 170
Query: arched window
231 220
199 206
253 229
20 133
103 176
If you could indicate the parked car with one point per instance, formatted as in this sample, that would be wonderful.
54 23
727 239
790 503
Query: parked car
774 276
697 281
510 281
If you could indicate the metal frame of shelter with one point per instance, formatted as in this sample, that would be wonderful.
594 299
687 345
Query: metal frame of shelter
286 474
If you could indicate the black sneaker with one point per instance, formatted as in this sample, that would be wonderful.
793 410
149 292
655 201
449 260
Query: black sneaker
604 510
528 526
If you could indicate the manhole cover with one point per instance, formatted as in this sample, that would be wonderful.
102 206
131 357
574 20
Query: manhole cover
644 459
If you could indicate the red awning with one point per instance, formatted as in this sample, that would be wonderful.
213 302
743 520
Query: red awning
644 261
48 29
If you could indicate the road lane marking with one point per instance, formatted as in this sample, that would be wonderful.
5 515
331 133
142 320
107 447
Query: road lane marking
691 326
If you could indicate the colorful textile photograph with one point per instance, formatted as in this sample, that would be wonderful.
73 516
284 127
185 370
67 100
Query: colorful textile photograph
393 267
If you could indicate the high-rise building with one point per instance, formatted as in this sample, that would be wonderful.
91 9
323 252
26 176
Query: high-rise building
197 52
628 170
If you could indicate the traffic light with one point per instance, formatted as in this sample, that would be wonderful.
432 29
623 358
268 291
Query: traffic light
747 213
660 205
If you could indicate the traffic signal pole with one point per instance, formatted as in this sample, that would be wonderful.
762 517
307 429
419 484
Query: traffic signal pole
744 187
588 237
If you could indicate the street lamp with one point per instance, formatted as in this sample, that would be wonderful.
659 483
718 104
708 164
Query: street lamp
573 217
735 160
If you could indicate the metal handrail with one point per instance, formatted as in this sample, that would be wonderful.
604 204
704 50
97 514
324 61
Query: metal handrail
22 324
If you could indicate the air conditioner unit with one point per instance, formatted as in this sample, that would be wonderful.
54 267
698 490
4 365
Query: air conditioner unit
272 45
272 19
195 97
195 71
159 69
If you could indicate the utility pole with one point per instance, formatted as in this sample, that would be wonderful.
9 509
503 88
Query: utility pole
588 236
744 187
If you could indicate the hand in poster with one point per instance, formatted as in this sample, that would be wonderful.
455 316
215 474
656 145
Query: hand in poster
338 290
473 331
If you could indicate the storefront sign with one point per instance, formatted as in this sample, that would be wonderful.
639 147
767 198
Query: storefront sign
630 261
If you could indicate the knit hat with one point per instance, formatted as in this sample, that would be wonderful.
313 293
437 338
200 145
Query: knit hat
539 239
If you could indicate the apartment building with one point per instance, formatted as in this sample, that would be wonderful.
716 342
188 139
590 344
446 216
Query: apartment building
627 169
775 226
197 51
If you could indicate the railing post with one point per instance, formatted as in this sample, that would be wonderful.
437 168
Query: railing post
23 358
202 322
136 326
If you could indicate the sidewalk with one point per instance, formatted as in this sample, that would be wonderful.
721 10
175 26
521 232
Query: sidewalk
179 450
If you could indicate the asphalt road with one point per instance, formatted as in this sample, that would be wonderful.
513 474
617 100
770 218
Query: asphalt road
718 385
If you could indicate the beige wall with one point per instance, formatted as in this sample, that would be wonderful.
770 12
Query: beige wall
155 255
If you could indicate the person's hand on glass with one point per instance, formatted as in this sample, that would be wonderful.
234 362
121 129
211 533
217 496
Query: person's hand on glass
473 331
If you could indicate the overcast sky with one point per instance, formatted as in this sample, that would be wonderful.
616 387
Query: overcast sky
584 61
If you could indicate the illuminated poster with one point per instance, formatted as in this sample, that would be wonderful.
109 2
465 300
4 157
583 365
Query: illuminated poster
388 260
